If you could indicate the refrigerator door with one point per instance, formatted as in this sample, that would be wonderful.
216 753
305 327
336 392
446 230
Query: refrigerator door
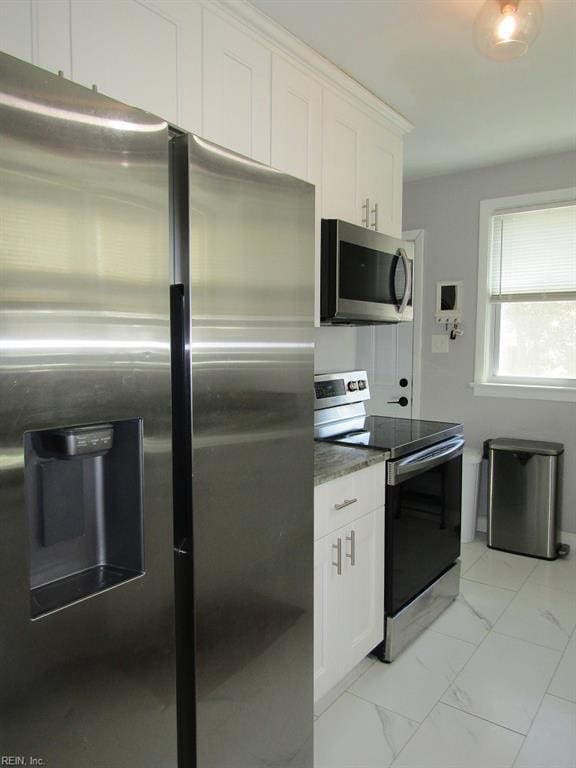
87 671
247 262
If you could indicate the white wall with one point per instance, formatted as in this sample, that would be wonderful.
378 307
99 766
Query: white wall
335 349
447 208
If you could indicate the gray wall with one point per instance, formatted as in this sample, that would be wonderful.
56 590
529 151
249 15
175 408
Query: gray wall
447 208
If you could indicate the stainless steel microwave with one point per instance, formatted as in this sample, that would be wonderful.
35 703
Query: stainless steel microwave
366 277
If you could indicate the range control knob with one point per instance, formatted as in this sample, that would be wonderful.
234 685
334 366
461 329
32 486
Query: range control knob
361 384
352 386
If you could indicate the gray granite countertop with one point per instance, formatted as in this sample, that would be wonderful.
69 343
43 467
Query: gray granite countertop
332 461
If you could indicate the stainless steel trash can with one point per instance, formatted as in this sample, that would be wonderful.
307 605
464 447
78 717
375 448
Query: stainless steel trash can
524 494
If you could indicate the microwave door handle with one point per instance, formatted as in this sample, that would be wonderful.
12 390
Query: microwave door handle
408 284
393 282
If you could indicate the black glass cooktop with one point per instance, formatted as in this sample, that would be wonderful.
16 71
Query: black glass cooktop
399 436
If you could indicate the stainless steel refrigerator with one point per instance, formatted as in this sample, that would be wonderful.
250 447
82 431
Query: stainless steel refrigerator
155 441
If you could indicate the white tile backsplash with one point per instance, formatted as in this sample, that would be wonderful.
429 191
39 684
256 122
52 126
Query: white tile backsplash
335 349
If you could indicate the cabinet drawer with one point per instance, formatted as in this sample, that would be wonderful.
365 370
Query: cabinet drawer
339 501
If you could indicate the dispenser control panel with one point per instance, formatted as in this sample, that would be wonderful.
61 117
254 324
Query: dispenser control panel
80 441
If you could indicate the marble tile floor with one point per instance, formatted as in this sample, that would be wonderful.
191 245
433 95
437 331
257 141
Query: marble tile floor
491 684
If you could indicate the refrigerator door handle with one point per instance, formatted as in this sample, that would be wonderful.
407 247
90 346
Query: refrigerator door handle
181 421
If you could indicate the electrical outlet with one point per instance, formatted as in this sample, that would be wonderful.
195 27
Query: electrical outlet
440 342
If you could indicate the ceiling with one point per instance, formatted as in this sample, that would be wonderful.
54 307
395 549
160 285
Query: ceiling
419 57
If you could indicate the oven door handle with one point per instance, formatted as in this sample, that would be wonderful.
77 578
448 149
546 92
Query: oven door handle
422 461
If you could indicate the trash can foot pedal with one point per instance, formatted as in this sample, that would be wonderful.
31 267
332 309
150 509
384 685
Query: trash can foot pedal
562 550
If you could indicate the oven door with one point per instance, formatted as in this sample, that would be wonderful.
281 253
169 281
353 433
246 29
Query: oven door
368 275
423 506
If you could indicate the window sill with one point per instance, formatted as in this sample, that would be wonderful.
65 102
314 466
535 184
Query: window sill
524 391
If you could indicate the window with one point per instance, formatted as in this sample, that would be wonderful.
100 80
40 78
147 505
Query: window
526 326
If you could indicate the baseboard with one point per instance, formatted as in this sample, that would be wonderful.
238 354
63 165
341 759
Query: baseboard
330 696
482 524
567 538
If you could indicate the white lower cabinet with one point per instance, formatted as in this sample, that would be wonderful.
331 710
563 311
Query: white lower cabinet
349 597
365 576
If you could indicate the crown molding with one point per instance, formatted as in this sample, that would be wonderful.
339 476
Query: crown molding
276 35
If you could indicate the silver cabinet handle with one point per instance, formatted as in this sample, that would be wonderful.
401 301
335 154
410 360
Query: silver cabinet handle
366 212
338 563
375 214
352 553
345 503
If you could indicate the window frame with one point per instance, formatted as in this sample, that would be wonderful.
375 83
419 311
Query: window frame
486 383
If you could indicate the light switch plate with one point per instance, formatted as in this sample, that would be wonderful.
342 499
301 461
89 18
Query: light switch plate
440 342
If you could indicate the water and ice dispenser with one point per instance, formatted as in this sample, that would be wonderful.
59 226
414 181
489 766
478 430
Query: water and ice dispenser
84 500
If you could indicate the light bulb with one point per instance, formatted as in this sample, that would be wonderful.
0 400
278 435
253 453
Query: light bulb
504 29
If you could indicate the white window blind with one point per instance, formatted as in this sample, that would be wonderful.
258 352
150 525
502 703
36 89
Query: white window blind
533 255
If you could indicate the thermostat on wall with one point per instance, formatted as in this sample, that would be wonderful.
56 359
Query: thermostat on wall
449 302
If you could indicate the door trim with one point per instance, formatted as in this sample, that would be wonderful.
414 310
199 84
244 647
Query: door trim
416 236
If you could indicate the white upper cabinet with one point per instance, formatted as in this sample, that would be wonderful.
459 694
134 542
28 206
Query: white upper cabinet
16 29
225 73
188 18
341 160
297 136
38 32
381 177
129 50
296 122
362 162
236 86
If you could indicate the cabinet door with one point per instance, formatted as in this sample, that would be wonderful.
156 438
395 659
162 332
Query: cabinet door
296 122
321 634
188 18
364 555
348 607
236 86
297 137
331 598
381 177
38 32
342 127
16 29
129 50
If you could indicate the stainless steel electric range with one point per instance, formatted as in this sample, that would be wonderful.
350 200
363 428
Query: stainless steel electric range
423 502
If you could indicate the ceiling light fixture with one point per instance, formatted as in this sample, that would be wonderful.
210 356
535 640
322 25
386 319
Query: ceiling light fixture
505 29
